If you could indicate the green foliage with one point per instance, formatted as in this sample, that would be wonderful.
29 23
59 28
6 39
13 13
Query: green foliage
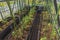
44 38
24 22
53 33
27 18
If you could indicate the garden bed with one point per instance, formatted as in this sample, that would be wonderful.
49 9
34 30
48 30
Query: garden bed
48 32
22 32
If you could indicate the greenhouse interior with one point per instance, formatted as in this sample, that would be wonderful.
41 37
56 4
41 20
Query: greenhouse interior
29 19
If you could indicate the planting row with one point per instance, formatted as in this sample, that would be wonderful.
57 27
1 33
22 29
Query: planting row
24 26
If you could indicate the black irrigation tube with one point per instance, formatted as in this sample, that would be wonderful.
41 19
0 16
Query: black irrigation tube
5 32
55 4
35 29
